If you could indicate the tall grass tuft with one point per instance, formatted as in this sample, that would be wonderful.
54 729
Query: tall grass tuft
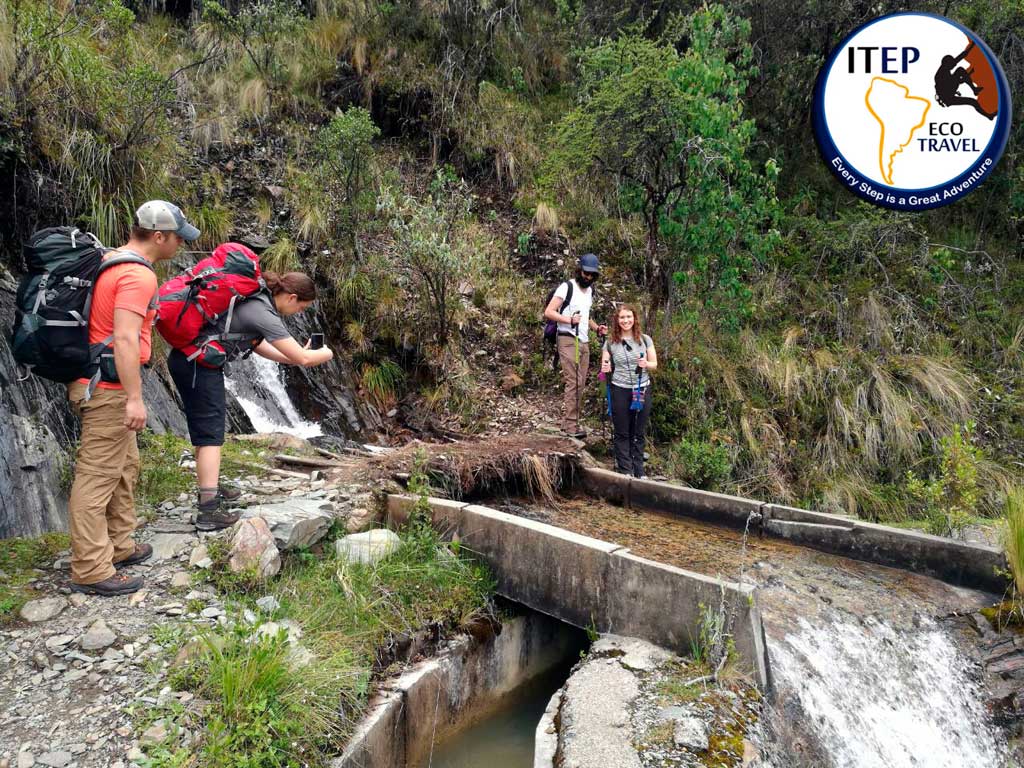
1013 537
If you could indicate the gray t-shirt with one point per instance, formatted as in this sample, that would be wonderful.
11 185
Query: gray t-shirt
624 362
256 319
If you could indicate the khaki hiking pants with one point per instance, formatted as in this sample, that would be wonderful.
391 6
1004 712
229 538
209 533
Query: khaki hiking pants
575 379
102 504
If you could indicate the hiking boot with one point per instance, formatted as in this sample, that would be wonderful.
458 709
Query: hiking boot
212 515
228 492
142 553
118 584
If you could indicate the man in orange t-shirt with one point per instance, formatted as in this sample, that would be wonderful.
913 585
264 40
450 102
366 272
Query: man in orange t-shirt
102 503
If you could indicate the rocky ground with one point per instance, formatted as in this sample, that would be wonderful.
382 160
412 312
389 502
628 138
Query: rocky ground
80 672
630 704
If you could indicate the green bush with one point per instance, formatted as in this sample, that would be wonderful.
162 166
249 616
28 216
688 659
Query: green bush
699 464
949 501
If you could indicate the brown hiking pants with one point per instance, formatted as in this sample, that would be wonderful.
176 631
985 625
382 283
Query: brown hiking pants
102 504
575 377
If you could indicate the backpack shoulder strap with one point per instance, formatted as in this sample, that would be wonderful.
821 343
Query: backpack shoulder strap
568 295
125 257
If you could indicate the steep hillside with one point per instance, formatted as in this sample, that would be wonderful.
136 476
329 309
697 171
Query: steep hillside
433 167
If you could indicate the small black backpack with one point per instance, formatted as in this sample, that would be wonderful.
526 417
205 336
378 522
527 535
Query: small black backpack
51 324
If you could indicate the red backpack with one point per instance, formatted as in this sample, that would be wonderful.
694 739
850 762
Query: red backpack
191 302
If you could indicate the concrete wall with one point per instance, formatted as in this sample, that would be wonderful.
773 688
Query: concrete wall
444 694
593 584
970 565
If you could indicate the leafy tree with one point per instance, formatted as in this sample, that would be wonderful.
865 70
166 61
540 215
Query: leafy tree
426 261
345 150
665 132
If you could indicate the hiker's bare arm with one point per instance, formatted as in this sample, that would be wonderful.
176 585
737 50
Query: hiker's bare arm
266 349
127 327
601 329
651 361
552 313
296 354
606 361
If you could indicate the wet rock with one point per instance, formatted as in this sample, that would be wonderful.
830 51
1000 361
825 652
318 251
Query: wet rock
367 548
98 636
691 733
43 609
253 547
295 524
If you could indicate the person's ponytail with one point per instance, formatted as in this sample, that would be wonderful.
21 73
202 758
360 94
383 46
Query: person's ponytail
291 282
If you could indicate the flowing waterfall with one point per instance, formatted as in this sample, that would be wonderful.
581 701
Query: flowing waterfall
257 386
878 697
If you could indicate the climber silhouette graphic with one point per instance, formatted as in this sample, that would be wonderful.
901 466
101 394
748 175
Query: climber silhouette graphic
950 76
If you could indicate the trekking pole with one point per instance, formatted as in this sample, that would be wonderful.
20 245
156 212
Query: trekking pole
579 395
607 410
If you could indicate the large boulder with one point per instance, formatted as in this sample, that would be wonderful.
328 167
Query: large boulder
253 548
296 523
367 548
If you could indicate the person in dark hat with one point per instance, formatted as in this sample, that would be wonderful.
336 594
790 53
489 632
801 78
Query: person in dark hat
569 308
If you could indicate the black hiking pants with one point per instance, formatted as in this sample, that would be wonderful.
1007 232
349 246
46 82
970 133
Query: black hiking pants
628 430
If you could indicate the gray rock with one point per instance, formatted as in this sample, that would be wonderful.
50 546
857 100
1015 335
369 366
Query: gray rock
295 524
98 636
167 546
43 609
55 759
26 760
200 558
56 642
180 580
78 600
253 547
595 707
631 652
268 604
691 733
368 548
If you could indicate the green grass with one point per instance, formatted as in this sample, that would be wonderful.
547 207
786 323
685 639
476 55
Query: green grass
161 478
264 711
18 559
1013 537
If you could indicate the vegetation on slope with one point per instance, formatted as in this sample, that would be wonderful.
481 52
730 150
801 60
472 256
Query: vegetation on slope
430 164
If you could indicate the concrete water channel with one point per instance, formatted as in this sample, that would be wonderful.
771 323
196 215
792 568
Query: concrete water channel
840 623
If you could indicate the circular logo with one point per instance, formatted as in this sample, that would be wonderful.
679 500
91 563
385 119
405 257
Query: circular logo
912 111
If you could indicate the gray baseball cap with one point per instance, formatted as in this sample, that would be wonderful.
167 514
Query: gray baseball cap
165 217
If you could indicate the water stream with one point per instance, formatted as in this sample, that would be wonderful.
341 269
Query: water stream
505 738
867 671
257 386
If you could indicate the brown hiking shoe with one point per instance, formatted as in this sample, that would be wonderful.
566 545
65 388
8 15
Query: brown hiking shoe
142 553
228 492
212 516
118 584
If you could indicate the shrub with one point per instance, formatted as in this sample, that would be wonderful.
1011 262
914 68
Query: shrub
949 501
427 261
699 464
